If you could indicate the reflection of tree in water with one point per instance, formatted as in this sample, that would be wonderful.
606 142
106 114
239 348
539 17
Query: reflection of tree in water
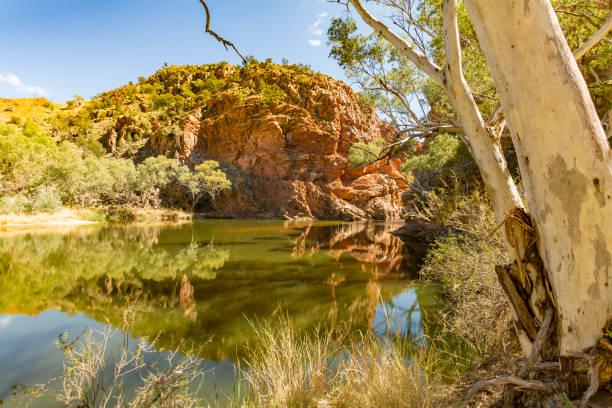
42 268
190 291
403 314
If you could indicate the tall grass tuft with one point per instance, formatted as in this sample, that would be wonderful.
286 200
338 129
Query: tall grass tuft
329 368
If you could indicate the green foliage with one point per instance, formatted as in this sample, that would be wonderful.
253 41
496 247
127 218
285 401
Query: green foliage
269 93
21 153
40 199
164 100
251 60
444 152
207 179
579 21
152 175
370 61
91 144
37 175
120 215
361 153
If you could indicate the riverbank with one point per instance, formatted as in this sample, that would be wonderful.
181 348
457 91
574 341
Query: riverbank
68 217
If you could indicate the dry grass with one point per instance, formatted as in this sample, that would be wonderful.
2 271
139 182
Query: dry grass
330 369
96 368
34 109
65 217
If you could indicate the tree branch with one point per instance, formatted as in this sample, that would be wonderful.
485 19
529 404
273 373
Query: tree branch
217 37
595 38
453 69
418 59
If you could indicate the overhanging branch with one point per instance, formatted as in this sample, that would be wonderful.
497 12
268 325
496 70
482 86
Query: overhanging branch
405 48
217 37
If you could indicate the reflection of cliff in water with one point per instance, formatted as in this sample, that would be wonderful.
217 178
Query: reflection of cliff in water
198 284
367 242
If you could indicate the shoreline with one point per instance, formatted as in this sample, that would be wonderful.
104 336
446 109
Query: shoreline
76 217
66 217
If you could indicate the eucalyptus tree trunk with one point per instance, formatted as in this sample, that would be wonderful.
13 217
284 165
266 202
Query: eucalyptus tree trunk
564 158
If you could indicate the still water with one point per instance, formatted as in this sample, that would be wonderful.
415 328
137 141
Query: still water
198 286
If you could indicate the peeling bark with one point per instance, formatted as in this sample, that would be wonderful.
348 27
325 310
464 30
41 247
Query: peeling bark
564 158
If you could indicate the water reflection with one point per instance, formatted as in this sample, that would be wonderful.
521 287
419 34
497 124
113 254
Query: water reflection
197 285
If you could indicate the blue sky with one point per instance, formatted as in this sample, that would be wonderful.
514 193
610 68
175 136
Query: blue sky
58 48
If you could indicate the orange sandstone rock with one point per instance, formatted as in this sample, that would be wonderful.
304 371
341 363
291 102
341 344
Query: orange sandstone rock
287 157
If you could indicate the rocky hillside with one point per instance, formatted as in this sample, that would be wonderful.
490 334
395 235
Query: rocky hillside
281 133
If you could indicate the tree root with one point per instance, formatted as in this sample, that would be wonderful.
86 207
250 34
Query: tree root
551 387
537 344
521 384
545 377
593 373
518 380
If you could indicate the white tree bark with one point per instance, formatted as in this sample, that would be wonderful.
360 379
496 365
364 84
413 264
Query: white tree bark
484 148
564 157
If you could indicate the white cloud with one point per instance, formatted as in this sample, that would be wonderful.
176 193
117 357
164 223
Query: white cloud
315 28
16 83
5 321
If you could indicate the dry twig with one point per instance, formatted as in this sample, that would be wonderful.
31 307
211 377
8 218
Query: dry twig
222 40
513 380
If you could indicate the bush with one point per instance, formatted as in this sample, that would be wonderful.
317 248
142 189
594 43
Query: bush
206 179
15 121
444 151
45 199
120 215
21 153
161 101
362 153
98 368
464 264
269 93
91 144
42 199
16 204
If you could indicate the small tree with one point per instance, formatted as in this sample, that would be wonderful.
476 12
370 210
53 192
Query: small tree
206 179
153 174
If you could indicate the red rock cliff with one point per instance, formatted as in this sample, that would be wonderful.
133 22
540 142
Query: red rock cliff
286 156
